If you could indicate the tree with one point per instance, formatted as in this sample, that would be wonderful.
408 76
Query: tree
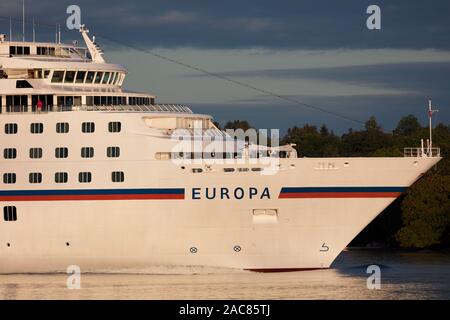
426 213
408 125
237 124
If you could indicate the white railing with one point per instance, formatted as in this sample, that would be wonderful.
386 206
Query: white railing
175 108
422 152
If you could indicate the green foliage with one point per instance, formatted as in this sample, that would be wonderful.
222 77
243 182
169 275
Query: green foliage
426 213
237 124
312 143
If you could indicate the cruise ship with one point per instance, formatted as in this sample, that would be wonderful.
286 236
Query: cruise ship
99 177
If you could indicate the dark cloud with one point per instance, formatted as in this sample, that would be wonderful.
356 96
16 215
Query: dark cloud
422 77
253 23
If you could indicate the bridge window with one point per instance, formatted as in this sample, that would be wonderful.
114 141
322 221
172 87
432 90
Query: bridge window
113 152
88 127
70 77
10 213
80 76
85 177
118 176
11 128
90 77
10 153
61 152
113 76
87 152
58 76
114 126
106 78
35 177
98 77
9 178
61 177
35 153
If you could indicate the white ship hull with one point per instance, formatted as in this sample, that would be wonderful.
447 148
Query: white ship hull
161 215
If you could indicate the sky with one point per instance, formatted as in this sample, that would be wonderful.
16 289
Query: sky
317 52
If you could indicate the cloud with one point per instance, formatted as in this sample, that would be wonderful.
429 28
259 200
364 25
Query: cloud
425 77
269 24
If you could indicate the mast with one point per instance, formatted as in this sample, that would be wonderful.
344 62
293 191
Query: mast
430 116
23 20
34 32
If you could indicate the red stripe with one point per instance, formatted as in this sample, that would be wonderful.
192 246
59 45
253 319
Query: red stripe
268 270
95 197
306 195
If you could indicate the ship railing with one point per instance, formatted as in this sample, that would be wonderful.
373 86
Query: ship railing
165 108
421 152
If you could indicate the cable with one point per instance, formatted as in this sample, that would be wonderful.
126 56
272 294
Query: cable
237 82
216 75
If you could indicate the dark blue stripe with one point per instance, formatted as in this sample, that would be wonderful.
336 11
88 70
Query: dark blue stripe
89 192
343 189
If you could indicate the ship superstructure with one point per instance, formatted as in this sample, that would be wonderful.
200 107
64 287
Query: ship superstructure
94 175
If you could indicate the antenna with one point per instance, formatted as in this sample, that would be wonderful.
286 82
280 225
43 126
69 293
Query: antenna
59 34
56 33
34 31
23 20
10 29
430 116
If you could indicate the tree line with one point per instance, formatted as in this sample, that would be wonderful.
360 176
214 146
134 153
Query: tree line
420 218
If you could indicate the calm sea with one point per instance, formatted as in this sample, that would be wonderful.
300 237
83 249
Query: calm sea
404 275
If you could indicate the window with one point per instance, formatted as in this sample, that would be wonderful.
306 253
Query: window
10 153
9 178
87 152
35 177
85 177
197 170
113 76
98 77
35 153
70 76
89 101
62 127
118 176
113 152
45 51
90 77
80 76
88 127
61 177
19 50
114 126
105 78
228 169
11 128
10 213
61 152
37 128
23 84
58 76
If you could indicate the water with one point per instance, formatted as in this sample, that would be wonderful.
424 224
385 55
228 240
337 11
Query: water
424 275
